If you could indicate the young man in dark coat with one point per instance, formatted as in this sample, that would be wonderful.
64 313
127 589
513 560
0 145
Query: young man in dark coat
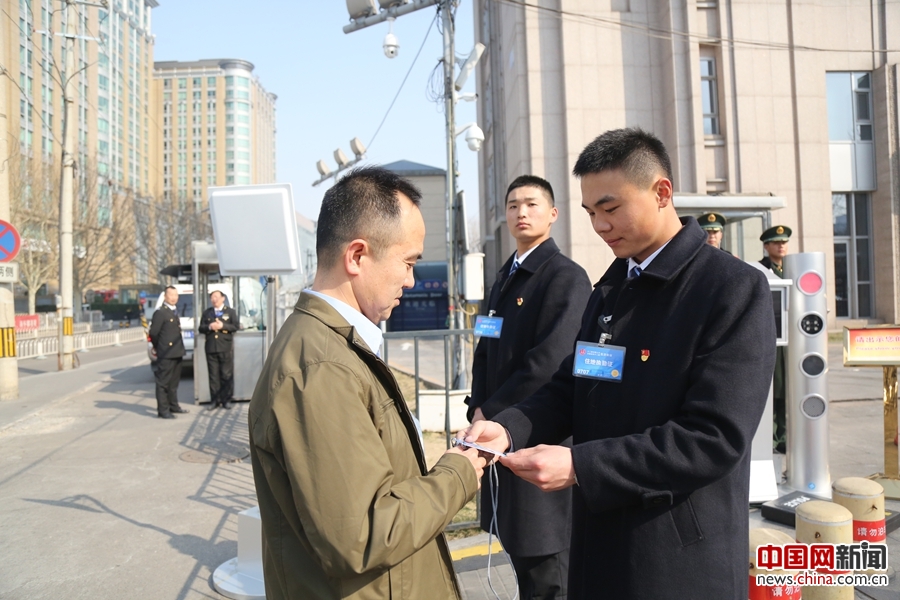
218 323
540 295
679 337
165 335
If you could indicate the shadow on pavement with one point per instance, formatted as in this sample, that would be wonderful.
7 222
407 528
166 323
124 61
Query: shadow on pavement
188 544
118 405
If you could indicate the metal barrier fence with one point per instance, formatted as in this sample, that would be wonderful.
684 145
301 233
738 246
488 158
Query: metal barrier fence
37 347
451 349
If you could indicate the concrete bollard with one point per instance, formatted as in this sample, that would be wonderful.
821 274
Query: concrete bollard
40 351
864 499
117 342
82 343
820 522
764 537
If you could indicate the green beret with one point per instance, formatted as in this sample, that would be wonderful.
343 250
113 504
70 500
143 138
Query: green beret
711 221
778 233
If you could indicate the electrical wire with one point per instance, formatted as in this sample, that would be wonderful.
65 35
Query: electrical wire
669 34
402 83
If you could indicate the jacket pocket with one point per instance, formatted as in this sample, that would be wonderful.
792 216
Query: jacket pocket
686 523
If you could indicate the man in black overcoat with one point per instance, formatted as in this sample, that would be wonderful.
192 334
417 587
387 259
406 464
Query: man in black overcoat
165 335
218 324
661 448
540 295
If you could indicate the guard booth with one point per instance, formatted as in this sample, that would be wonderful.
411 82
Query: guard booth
247 297
747 216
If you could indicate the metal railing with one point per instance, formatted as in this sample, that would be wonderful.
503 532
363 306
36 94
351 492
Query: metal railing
38 347
455 348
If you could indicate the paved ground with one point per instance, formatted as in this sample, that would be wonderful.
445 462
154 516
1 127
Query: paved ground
100 499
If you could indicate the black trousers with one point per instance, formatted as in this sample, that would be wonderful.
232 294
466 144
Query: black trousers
168 376
221 376
542 577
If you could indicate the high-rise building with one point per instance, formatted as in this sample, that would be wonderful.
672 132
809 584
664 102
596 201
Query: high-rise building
777 111
216 127
110 89
114 59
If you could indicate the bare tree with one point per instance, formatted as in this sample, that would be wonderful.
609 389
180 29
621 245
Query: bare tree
34 210
103 232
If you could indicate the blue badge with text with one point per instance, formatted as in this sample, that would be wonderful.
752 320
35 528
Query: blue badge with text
598 361
488 326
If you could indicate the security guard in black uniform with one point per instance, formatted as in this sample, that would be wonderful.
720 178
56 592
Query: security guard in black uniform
218 323
775 241
713 224
165 335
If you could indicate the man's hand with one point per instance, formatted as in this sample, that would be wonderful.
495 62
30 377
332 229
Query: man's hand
216 325
478 462
478 415
486 433
548 467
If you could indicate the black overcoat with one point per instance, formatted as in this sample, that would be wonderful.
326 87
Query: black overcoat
222 340
663 458
165 334
541 306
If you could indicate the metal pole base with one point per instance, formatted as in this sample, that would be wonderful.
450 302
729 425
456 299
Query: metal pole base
231 583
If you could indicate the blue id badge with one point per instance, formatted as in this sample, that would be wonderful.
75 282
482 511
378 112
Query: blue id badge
488 326
598 361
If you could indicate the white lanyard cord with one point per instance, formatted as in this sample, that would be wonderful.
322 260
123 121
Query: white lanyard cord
494 487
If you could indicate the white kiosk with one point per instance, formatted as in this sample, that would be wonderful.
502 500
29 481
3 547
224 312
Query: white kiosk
256 235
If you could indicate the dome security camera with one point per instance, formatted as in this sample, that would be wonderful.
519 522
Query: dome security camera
391 46
474 138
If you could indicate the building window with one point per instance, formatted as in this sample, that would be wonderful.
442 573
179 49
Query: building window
710 92
851 143
853 289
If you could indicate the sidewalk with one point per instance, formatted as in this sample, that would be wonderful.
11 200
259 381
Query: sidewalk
100 499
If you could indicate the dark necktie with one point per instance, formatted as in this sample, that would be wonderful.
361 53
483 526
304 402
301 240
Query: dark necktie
635 272
515 267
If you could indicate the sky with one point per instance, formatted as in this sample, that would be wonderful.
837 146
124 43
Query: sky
331 86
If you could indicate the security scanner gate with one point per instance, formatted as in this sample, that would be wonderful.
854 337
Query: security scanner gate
247 297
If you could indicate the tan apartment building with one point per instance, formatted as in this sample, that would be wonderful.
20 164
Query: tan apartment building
216 127
773 111
113 128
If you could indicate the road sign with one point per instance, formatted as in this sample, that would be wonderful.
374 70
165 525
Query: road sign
9 272
10 242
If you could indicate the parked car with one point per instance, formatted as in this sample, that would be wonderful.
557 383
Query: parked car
185 309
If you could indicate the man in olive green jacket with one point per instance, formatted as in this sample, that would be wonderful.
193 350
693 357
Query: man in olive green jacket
348 507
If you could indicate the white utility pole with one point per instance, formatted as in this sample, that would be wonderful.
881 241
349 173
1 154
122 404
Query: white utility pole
66 197
9 368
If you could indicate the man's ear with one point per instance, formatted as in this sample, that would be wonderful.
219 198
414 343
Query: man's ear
663 192
353 254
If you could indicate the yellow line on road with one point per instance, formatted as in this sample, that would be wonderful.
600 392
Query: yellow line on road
481 550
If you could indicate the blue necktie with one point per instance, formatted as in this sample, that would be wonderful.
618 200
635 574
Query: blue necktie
635 272
514 268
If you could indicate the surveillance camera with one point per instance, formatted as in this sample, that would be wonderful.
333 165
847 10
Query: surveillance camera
391 46
474 137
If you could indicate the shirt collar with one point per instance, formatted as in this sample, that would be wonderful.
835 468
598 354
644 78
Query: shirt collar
171 307
633 263
367 330
522 258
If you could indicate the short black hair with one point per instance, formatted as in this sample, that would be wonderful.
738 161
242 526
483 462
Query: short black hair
170 287
640 155
532 181
216 292
362 204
